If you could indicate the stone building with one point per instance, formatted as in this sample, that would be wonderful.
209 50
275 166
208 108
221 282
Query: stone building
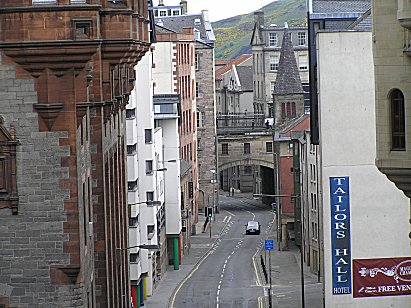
171 81
234 86
176 19
391 27
66 74
266 44
288 93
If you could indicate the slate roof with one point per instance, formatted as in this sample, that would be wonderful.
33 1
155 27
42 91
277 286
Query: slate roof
245 74
364 23
341 6
177 23
288 77
237 61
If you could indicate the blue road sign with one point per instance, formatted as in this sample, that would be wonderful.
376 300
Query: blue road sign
269 245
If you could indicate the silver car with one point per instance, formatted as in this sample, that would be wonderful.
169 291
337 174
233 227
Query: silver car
252 227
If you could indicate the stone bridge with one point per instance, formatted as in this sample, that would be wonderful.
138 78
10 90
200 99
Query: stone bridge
245 158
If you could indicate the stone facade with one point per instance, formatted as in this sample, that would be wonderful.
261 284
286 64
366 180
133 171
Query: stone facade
266 56
206 129
32 241
64 85
392 58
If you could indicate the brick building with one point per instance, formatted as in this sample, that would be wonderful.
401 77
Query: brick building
179 48
176 19
66 72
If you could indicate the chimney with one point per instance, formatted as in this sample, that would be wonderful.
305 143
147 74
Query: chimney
160 2
183 5
206 16
259 18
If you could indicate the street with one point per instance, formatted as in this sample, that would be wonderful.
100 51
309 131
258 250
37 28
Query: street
229 277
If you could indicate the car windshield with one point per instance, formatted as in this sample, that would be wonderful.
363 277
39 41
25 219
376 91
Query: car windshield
252 224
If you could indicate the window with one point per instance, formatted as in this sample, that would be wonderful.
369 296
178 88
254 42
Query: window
274 63
82 29
283 113
293 110
150 195
149 166
132 186
150 231
131 113
148 135
303 62
272 87
133 221
163 13
272 39
132 149
269 147
247 148
397 121
44 1
135 257
288 110
248 170
197 61
302 38
197 89
176 12
224 149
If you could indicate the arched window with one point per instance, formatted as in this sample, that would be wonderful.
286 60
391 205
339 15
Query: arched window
288 110
397 121
283 110
293 111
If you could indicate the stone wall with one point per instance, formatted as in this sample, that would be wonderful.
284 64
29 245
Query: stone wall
206 132
31 242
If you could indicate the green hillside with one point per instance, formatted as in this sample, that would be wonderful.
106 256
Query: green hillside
233 34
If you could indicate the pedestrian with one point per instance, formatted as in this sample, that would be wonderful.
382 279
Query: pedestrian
205 224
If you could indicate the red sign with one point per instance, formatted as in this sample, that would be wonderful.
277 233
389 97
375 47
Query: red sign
381 277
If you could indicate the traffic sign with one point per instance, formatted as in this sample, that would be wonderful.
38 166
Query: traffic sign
269 245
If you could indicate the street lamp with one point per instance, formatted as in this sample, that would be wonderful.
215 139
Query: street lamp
142 246
149 203
152 171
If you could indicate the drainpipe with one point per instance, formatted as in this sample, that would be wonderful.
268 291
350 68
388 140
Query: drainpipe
176 254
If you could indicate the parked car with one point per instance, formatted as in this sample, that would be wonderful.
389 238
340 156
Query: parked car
252 227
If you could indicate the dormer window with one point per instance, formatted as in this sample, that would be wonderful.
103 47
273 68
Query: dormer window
272 39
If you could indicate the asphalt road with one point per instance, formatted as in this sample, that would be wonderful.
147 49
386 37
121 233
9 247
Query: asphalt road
227 277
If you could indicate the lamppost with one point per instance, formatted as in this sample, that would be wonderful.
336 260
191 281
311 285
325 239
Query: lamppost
213 181
296 198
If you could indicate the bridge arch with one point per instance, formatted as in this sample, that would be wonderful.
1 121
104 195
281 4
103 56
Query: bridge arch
246 162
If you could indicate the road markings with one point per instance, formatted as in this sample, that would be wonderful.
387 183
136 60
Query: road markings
232 214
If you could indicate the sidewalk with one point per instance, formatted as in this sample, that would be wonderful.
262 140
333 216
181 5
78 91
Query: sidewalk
201 244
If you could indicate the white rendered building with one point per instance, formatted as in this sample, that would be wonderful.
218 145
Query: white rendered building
365 217
144 149
167 116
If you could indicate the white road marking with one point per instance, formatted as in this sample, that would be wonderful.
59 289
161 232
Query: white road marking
232 214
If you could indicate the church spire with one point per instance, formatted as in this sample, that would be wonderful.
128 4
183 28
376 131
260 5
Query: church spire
288 77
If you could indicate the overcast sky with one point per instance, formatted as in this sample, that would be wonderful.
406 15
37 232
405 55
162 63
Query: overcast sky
221 9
